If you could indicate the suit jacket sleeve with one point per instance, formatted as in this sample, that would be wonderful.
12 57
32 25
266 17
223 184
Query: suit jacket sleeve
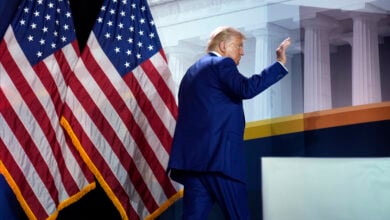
242 87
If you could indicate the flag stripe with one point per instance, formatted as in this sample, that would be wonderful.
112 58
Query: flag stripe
93 155
122 110
128 116
96 94
127 95
47 80
134 80
151 158
68 53
80 173
18 127
160 76
38 51
110 134
154 120
119 150
41 112
24 153
160 66
144 104
26 190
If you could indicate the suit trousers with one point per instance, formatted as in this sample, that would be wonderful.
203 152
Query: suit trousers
203 190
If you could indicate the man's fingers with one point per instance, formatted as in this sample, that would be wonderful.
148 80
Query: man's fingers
281 50
285 43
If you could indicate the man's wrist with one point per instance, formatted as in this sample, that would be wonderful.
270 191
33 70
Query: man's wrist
283 64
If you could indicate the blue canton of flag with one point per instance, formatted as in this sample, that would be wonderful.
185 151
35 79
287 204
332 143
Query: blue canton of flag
43 28
127 34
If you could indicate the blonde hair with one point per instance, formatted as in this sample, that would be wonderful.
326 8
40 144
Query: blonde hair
223 33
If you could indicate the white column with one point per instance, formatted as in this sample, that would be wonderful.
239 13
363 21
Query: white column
180 57
317 81
261 105
276 100
366 87
176 66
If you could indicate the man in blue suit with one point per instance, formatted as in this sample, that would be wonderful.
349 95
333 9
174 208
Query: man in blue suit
207 154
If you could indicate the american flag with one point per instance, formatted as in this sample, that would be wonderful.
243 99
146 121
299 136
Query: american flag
121 110
39 162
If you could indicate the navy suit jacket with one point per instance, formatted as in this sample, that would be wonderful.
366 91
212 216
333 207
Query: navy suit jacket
210 126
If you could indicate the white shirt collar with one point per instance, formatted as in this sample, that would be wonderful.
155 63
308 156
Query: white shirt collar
216 53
